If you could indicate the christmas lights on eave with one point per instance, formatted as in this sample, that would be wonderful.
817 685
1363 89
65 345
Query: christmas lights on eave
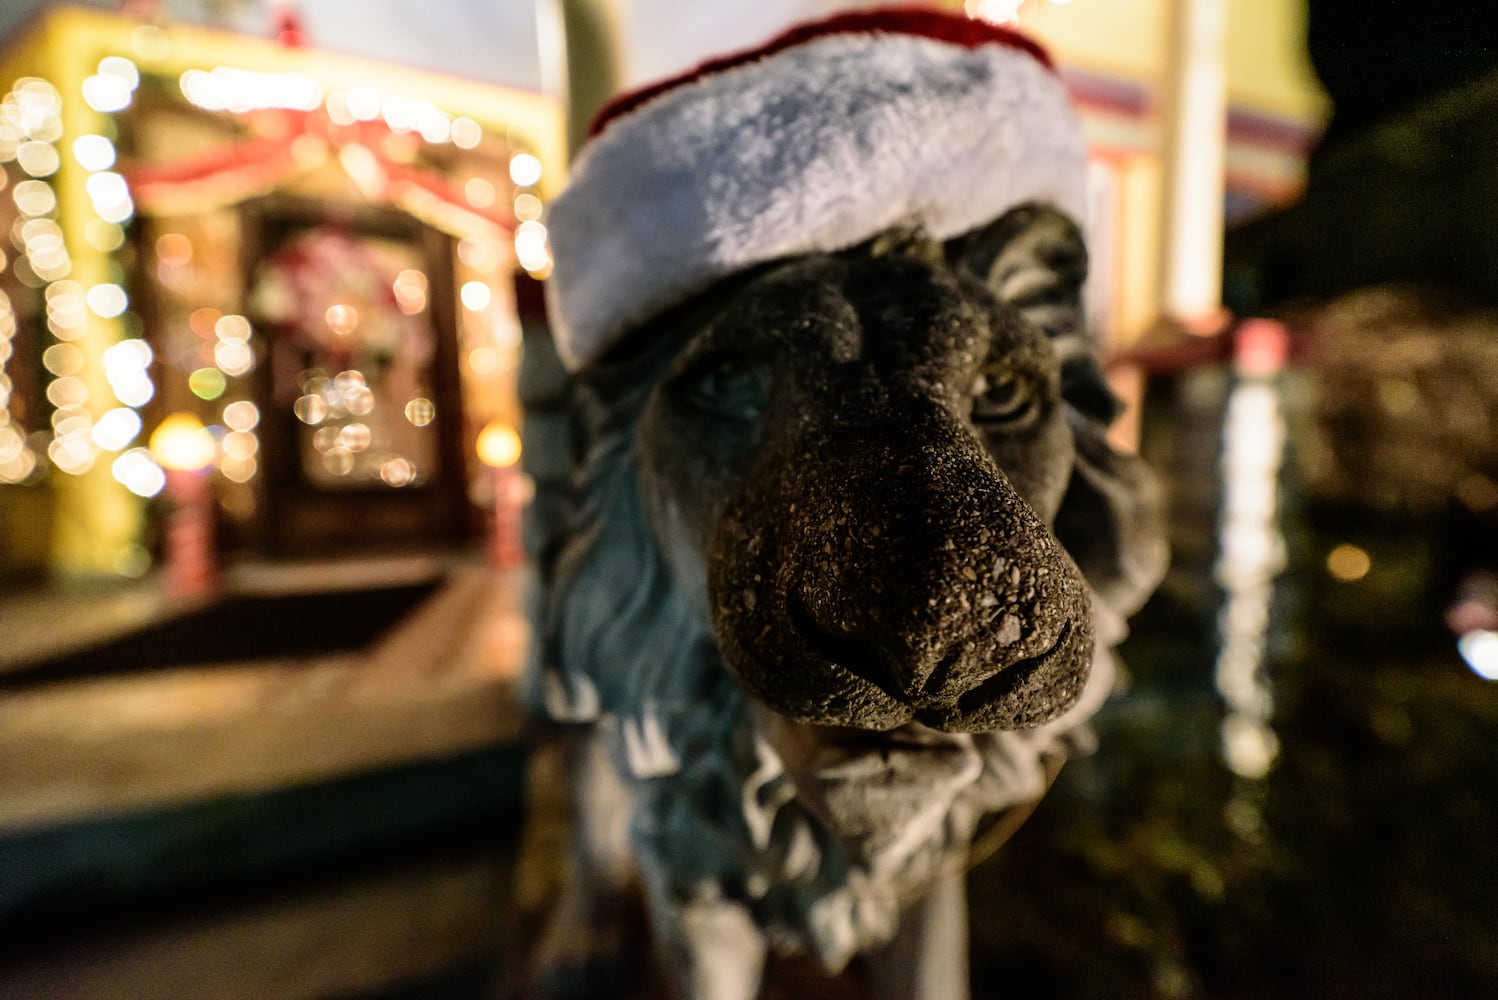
356 125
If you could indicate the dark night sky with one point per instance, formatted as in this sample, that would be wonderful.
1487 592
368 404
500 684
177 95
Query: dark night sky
1376 57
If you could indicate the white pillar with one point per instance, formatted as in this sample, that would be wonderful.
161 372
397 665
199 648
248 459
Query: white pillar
591 55
1193 143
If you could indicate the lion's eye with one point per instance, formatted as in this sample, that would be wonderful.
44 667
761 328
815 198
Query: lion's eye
728 389
1001 397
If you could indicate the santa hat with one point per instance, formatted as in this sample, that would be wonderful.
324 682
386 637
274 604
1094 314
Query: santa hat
823 138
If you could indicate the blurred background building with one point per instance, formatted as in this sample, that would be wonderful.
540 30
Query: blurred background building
244 232
271 346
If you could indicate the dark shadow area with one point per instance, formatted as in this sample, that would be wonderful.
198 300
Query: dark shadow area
110 875
239 628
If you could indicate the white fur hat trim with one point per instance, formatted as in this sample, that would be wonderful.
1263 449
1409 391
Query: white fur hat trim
815 147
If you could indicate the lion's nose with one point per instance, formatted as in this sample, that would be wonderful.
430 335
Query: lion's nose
926 575
879 655
881 573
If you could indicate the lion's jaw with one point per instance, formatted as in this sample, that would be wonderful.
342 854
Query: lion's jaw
885 796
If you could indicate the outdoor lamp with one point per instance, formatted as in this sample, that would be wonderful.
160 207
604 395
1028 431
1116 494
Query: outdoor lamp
181 443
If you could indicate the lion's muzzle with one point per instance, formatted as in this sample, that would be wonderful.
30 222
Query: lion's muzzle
881 573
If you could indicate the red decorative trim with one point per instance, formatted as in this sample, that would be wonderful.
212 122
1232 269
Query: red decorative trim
1094 90
1267 131
239 170
954 29
268 154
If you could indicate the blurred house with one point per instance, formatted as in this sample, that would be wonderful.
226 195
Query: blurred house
312 255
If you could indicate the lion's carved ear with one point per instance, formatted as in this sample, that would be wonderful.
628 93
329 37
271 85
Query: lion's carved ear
1034 257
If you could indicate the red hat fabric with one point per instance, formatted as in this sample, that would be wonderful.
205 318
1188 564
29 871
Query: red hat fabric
816 141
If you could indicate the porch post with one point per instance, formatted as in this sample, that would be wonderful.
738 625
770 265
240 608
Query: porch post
1193 143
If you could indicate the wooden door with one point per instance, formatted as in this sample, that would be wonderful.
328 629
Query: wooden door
362 416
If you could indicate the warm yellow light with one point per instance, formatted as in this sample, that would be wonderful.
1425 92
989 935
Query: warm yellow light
1348 563
342 319
104 237
355 437
173 249
34 198
476 296
411 291
233 357
994 11
94 152
182 443
525 169
420 411
479 192
108 300
241 416
240 445
478 254
466 133
483 360
39 159
530 246
205 383
232 327
397 472
498 445
527 207
150 43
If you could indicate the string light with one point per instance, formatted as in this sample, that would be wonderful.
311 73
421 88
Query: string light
525 170
107 93
476 296
30 128
139 473
117 428
17 460
125 368
34 198
466 133
420 411
226 88
531 248
527 207
31 125
241 416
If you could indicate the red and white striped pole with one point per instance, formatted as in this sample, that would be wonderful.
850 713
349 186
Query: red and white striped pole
185 449
498 448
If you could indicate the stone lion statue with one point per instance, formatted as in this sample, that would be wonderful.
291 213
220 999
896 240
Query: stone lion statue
849 546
